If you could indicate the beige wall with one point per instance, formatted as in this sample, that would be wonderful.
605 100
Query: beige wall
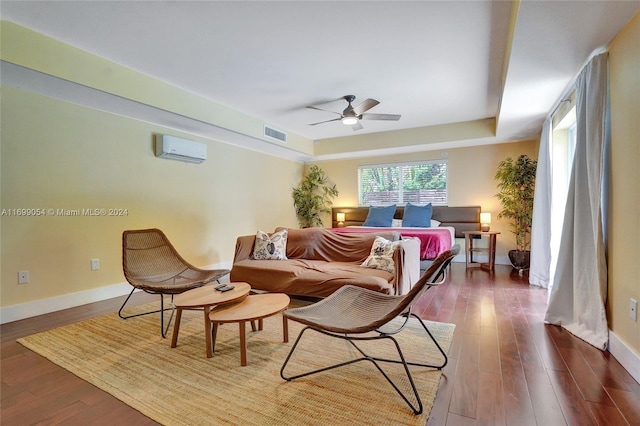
58 155
624 219
63 156
471 182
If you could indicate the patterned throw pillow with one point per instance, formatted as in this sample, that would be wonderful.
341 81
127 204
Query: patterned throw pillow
272 247
381 256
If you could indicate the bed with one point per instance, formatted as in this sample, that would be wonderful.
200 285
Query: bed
433 241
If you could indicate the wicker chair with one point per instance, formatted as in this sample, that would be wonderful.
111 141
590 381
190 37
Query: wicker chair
153 265
351 311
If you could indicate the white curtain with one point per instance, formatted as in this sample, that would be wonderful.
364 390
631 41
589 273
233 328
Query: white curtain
541 227
578 294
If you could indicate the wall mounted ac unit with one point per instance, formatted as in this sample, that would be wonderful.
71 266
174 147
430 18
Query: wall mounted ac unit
175 148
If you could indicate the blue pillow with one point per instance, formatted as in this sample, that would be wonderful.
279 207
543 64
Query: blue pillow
380 216
417 216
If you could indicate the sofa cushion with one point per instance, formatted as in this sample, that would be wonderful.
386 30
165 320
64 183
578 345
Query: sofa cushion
270 247
309 277
381 255
324 244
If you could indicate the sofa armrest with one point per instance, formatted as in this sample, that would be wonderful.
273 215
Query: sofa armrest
407 265
244 247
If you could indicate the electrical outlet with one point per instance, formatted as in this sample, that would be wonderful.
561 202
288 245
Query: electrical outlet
633 309
95 264
23 277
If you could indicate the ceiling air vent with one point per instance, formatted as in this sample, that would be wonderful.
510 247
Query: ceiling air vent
272 133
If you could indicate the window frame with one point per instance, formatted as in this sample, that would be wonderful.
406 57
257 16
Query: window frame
400 182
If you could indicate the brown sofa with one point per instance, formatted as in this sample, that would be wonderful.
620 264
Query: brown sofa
320 261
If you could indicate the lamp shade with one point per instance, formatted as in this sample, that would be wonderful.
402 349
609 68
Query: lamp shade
485 220
340 217
349 120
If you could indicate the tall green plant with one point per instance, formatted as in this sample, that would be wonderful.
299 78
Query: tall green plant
313 197
516 182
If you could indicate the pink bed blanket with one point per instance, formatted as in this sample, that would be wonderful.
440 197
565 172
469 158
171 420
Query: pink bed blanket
433 241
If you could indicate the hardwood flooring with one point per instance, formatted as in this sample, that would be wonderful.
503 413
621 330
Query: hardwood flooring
506 367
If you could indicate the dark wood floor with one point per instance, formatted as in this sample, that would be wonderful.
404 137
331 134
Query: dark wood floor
505 367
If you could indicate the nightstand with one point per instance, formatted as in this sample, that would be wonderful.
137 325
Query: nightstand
490 249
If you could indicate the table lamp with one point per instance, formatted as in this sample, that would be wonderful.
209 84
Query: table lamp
340 217
485 220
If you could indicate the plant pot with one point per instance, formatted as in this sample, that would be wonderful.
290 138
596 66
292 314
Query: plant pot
520 259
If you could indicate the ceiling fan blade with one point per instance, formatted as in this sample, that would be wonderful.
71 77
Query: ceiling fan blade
320 109
356 126
365 106
388 117
324 102
327 121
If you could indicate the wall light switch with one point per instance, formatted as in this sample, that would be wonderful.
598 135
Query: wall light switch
633 309
23 277
95 264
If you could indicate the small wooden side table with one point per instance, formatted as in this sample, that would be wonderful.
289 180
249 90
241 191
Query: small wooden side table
254 307
490 249
204 298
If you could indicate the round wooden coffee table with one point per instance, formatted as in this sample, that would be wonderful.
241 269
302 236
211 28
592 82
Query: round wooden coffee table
204 298
254 307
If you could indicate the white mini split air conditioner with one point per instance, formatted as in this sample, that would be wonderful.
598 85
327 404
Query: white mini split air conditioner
175 148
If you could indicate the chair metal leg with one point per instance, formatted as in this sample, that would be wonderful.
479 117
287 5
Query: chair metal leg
125 302
163 329
417 409
442 352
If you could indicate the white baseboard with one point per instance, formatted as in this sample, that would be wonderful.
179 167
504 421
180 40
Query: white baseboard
71 300
626 356
57 303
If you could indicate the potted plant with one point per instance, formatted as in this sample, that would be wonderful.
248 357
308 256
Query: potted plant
516 182
313 197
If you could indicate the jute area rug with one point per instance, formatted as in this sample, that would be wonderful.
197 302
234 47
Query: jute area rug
180 386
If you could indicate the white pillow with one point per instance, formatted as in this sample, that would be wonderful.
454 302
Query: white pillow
397 223
272 247
381 256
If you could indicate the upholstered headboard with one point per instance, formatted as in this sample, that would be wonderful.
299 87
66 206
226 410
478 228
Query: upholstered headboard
461 218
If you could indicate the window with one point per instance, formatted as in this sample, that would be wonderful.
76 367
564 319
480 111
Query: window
416 183
563 142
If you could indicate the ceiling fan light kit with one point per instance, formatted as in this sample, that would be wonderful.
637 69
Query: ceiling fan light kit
351 115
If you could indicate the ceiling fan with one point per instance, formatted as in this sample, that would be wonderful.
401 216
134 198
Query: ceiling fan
351 115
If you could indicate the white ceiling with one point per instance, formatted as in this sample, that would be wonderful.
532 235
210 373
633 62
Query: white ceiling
433 62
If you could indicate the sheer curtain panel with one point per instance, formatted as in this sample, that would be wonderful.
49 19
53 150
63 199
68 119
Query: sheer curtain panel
577 298
541 226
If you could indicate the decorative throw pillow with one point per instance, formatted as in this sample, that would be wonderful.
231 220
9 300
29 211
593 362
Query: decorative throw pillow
417 216
380 216
272 247
381 256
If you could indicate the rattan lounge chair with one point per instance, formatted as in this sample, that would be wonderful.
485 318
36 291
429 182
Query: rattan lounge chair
151 264
351 312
